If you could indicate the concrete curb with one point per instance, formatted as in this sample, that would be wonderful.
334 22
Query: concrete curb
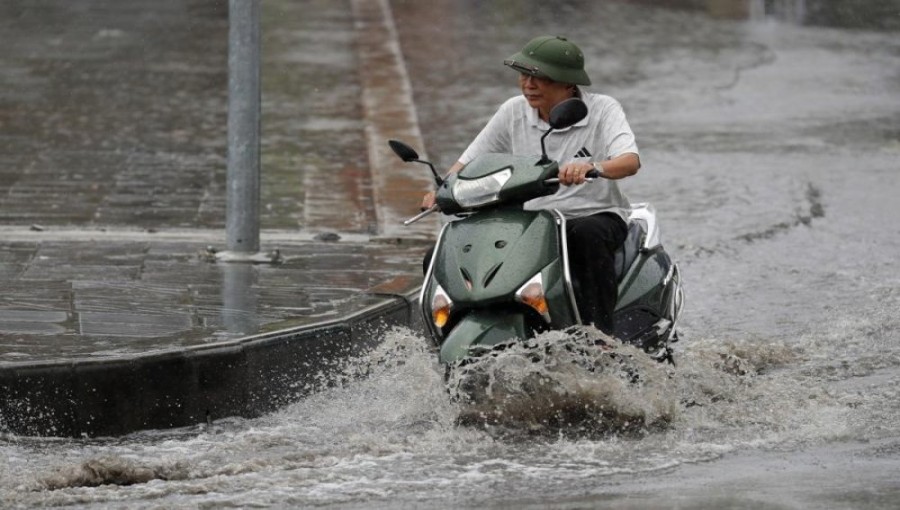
246 377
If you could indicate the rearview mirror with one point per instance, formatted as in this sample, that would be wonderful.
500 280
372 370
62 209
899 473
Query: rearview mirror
564 114
405 152
409 155
567 113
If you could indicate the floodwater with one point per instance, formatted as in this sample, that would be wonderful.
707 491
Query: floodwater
770 147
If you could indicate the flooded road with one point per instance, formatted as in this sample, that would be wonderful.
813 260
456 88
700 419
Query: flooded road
770 148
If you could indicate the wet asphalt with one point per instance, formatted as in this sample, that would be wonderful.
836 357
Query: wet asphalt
112 194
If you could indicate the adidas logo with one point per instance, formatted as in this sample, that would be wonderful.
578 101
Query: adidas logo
583 153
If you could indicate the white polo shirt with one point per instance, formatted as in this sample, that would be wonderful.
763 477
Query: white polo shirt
516 129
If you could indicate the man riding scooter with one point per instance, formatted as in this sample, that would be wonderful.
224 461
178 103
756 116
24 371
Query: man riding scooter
551 69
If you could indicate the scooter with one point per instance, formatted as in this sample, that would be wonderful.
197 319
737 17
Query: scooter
500 273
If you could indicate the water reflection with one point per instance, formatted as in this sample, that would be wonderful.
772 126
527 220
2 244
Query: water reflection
239 299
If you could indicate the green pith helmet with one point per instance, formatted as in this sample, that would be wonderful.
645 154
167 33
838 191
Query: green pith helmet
551 57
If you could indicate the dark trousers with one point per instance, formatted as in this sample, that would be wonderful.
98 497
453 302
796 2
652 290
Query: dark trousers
593 241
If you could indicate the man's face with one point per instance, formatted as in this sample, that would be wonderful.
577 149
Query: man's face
543 93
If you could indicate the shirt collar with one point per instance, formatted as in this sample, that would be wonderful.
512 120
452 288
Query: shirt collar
535 120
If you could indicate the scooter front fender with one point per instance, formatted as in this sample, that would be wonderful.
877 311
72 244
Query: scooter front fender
481 328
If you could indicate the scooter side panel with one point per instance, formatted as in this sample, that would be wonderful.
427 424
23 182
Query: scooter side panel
642 285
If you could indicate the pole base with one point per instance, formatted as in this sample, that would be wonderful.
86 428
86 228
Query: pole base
271 257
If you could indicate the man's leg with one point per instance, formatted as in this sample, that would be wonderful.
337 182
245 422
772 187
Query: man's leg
593 241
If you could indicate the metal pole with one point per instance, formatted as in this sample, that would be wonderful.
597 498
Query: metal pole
239 299
242 208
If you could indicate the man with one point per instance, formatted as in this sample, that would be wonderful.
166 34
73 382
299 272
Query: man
550 71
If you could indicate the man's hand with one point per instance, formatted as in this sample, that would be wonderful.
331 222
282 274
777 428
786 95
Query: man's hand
574 173
617 168
428 201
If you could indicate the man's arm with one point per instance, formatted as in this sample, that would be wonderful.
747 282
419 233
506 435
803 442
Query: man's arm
618 167
455 168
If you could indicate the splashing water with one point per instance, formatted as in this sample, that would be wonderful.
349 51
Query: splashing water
575 382
559 410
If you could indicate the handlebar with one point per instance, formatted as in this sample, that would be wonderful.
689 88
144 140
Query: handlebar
426 212
589 177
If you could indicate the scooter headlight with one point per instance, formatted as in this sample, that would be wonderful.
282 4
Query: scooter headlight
481 191
440 307
532 294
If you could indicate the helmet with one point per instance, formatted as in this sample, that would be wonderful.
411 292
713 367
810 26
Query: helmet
551 57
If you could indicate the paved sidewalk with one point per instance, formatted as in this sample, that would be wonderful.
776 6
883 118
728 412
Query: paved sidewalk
106 295
113 317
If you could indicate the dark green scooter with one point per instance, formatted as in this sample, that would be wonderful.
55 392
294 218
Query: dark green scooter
501 273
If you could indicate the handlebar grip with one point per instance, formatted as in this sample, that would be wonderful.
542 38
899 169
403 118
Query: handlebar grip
590 176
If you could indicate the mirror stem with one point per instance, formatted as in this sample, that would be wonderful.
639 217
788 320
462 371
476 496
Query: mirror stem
544 159
437 177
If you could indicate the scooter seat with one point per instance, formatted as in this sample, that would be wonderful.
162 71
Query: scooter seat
629 250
